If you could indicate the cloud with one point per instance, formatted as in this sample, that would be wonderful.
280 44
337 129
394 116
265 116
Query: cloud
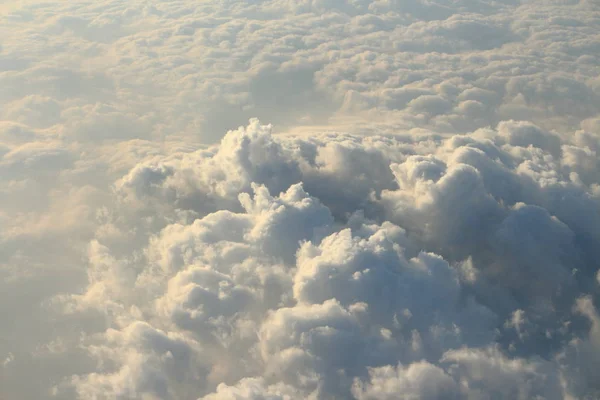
421 219
419 380
278 295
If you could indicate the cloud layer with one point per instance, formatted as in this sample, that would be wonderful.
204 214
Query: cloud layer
422 222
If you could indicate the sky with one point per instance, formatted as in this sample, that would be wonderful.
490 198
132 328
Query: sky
308 199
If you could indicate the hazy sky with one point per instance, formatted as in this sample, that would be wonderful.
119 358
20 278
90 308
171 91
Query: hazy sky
310 199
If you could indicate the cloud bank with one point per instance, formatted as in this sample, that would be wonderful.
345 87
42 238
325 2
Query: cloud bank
468 271
422 222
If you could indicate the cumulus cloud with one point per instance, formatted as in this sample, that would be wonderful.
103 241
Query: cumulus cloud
461 279
422 219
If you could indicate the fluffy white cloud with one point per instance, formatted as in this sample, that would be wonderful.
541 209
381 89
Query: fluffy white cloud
426 224
419 380
289 296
